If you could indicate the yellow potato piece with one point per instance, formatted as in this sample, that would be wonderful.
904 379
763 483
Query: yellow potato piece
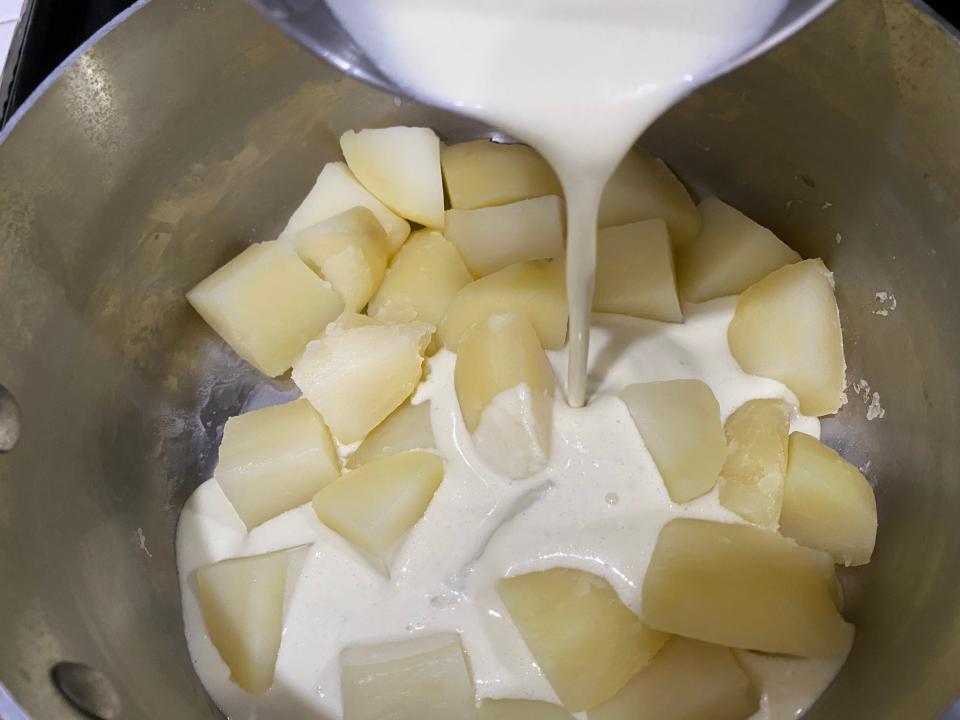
521 710
585 640
267 305
679 421
421 282
496 354
401 167
337 190
751 481
644 188
787 327
490 239
536 288
482 173
505 385
424 678
743 587
827 503
350 251
275 459
373 506
242 601
635 272
357 376
730 254
687 680
406 428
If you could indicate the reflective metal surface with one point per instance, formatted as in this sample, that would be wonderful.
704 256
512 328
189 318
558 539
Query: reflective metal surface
314 25
196 127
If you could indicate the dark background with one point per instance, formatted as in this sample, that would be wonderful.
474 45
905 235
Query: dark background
52 29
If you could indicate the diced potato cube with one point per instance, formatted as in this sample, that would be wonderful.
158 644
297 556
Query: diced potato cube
827 503
505 386
406 428
743 587
350 251
635 272
356 377
421 282
337 190
482 173
730 254
401 166
536 288
499 353
242 601
521 710
679 421
424 678
687 680
585 640
491 238
267 305
373 506
274 459
787 327
751 482
644 188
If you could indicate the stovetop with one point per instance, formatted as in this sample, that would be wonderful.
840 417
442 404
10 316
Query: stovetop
52 29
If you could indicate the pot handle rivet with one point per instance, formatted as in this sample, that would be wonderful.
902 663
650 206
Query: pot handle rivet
88 690
9 421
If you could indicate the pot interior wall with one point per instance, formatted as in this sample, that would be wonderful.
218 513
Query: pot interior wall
195 128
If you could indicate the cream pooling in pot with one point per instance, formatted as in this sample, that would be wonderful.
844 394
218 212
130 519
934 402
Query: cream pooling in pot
598 506
579 80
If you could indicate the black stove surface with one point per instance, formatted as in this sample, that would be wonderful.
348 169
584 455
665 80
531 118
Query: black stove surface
49 32
52 29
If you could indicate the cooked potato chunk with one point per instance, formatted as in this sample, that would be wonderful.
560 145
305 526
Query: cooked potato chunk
536 288
730 254
679 421
521 710
267 305
586 642
422 280
505 386
827 503
491 238
337 190
743 587
687 680
424 678
242 602
406 428
274 459
357 376
401 166
635 272
751 482
375 505
350 251
482 173
787 327
643 188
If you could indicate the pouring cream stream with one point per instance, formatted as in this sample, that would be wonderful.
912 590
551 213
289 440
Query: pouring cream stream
579 80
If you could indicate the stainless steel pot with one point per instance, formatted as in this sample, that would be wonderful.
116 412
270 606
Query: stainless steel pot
194 128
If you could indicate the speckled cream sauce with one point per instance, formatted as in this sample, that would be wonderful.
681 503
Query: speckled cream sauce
599 506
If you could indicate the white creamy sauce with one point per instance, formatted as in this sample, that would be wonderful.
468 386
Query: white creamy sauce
598 505
579 80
